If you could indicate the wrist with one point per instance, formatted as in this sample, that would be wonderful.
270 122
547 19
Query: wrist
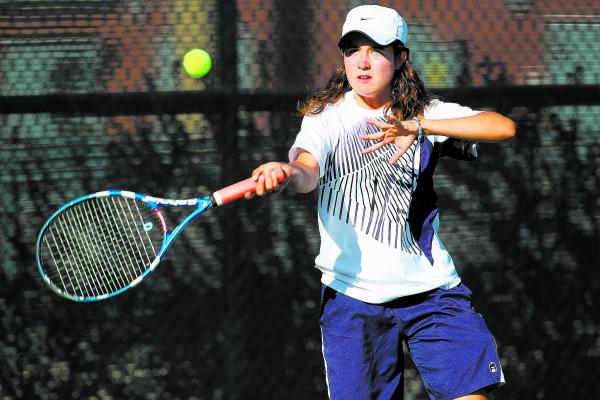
419 127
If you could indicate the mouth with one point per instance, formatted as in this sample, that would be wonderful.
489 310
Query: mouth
363 78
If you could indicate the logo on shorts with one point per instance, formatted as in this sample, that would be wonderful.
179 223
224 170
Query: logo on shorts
492 367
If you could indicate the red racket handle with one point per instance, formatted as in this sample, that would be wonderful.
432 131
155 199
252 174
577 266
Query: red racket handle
237 190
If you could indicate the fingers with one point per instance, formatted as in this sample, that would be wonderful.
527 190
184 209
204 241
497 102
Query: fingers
270 177
392 119
272 180
399 133
402 144
386 134
373 148
373 136
381 137
287 170
396 156
379 124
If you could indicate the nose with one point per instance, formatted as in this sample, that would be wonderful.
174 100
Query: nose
363 59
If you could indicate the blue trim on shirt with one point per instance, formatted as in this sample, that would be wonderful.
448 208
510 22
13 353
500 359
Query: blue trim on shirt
423 208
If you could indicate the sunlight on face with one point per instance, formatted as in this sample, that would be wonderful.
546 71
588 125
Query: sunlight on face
370 69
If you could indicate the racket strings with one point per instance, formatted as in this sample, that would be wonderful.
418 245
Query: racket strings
101 245
97 260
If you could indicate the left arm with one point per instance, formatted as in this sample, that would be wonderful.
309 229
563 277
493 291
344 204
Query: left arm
485 126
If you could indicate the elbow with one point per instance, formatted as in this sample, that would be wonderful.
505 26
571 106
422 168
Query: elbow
510 129
498 127
505 128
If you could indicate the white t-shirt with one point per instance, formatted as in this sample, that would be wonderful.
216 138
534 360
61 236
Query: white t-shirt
378 221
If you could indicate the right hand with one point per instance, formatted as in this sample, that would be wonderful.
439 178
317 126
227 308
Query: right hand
266 180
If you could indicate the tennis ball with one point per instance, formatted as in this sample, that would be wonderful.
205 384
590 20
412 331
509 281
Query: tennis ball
197 63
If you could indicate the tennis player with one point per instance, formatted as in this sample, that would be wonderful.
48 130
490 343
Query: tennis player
369 144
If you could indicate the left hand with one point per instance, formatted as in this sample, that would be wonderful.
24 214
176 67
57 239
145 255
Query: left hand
401 134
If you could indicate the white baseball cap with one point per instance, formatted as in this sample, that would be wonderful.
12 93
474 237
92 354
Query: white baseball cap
381 24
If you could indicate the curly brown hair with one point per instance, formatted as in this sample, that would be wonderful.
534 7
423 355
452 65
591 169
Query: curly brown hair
409 94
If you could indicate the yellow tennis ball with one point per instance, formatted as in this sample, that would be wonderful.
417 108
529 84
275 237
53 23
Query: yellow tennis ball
197 63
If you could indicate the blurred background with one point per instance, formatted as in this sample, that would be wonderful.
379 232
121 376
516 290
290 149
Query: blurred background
93 96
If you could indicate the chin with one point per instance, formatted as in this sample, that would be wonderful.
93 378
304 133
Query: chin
361 90
366 94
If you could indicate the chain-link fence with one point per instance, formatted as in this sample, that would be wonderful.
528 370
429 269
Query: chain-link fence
93 96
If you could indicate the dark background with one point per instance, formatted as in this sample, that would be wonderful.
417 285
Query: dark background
93 96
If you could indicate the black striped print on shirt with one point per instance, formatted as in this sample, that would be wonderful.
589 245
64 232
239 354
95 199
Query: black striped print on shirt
364 190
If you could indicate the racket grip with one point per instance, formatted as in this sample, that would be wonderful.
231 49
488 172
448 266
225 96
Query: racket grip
238 190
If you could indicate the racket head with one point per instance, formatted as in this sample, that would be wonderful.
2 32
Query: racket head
99 245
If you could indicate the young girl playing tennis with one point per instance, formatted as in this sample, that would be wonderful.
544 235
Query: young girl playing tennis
369 144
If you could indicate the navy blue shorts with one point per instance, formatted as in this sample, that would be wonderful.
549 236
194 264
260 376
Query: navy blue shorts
447 340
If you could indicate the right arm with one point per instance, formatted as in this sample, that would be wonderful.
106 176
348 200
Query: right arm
302 175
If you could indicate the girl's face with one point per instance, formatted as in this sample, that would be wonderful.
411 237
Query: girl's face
370 69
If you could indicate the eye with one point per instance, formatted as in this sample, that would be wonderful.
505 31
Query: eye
349 51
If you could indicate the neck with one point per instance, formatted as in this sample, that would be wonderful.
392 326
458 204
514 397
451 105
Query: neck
371 103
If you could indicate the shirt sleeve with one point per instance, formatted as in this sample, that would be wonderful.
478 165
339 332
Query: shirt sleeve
441 110
315 138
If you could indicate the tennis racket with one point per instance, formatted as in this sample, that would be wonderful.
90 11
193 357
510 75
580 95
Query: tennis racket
102 244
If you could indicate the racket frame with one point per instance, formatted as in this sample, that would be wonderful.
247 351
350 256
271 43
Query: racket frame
201 204
219 198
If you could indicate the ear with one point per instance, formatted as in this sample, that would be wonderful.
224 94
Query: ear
401 59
